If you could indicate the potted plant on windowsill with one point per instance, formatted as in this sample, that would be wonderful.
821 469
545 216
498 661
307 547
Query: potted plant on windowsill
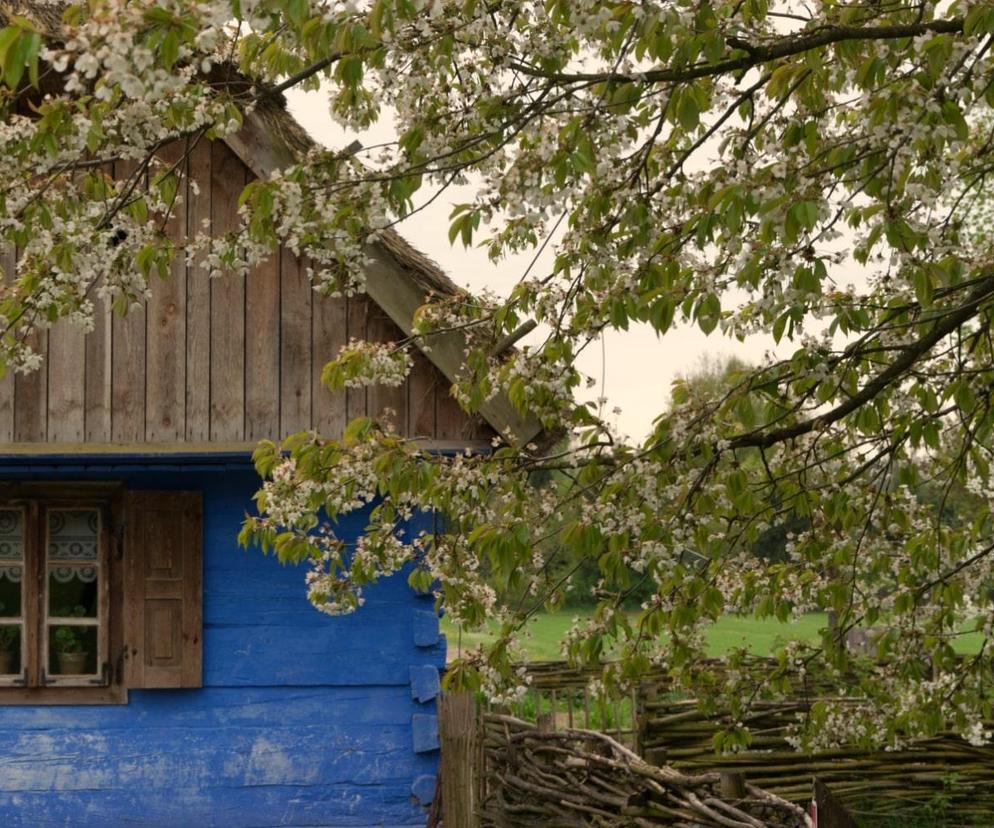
70 645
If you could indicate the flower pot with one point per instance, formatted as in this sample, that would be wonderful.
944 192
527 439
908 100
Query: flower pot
71 664
6 662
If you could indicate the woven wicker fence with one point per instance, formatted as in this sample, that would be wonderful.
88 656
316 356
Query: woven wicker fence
943 772
537 776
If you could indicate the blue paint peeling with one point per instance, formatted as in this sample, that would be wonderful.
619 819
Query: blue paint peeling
304 719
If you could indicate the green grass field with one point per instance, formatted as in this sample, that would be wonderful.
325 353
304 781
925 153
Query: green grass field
546 631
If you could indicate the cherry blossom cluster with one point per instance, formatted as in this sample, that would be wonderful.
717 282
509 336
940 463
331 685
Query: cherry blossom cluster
818 176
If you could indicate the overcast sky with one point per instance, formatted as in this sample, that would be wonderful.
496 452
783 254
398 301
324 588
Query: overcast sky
638 367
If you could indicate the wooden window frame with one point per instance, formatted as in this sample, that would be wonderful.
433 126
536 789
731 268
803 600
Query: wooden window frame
36 498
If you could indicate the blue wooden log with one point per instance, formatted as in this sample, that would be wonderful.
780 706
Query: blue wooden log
355 652
423 789
425 628
424 729
425 684
342 807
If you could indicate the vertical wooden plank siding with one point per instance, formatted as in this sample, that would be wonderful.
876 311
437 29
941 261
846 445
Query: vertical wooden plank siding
97 382
421 397
229 360
227 368
387 403
128 363
166 325
329 331
66 380
8 262
66 375
97 399
450 418
295 346
31 397
262 349
358 307
198 301
128 381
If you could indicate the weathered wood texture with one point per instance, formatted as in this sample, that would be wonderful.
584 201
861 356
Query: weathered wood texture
225 361
462 761
831 812
7 381
163 589
303 719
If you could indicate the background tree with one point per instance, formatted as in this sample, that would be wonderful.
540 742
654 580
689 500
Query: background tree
743 166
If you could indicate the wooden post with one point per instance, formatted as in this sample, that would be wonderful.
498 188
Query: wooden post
732 785
459 737
647 692
831 812
655 756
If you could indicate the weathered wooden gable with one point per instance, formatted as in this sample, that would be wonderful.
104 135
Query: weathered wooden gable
211 363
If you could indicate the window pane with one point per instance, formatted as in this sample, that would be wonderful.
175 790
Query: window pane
72 591
10 591
72 534
10 649
11 568
11 535
72 651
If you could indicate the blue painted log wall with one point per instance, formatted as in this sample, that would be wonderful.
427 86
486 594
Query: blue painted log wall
303 719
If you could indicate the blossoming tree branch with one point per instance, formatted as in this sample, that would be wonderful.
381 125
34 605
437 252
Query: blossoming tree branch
814 172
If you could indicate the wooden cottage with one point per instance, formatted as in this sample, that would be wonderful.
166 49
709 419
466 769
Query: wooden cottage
151 672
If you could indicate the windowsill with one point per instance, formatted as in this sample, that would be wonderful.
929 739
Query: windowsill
70 696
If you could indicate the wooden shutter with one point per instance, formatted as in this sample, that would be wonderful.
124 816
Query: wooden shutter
163 590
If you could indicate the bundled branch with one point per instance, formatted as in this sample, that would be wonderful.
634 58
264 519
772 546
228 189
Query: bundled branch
678 733
547 676
538 777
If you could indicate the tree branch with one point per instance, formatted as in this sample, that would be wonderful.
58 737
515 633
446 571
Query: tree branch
756 54
303 75
909 356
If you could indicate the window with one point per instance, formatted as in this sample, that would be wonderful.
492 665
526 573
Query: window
53 594
100 591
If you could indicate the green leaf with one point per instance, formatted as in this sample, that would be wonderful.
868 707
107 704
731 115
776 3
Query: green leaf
923 287
708 313
687 110
8 36
168 186
169 48
16 58
953 115
298 11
